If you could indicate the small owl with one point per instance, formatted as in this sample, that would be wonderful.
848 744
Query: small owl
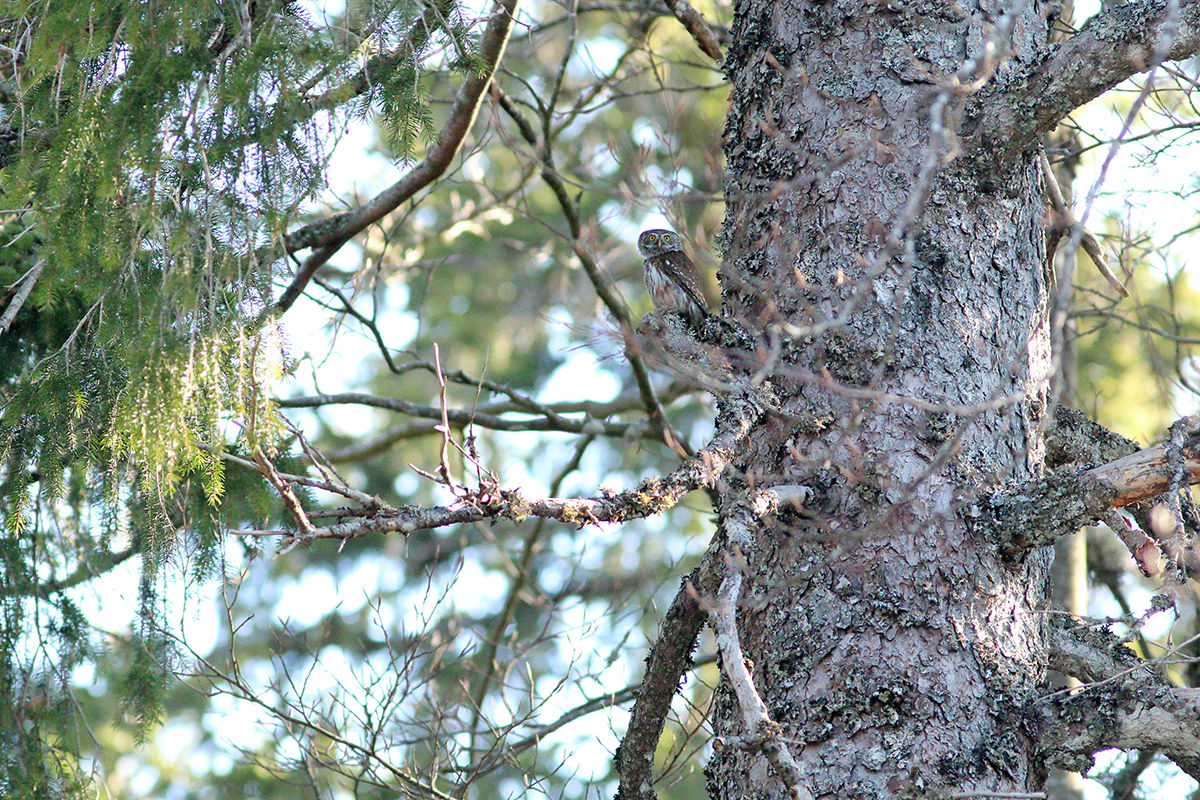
671 277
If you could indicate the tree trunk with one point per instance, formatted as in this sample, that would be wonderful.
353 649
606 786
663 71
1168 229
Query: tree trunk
898 652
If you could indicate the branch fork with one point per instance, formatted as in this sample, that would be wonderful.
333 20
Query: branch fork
763 733
488 494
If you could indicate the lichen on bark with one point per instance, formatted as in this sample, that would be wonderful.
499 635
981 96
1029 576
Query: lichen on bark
895 646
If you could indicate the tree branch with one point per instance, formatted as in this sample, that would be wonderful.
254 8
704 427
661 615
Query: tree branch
1075 440
88 569
24 285
1062 222
1128 705
651 496
1094 655
612 302
327 236
1007 117
487 415
695 24
669 658
1125 715
762 732
671 654
545 417
1037 512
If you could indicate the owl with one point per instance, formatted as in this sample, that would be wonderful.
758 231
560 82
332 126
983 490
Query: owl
671 277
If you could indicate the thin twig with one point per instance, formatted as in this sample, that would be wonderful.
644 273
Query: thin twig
1062 220
615 306
370 501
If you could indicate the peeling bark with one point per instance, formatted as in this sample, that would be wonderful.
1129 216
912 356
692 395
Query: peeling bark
1037 512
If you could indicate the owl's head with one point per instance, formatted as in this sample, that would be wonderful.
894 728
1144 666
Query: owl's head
656 242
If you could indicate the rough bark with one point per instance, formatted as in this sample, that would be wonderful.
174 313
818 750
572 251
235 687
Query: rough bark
670 657
1037 512
895 648
901 294
1123 704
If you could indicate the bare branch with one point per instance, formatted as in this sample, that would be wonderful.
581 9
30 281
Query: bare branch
669 658
1036 512
762 732
1006 118
1142 475
1063 221
695 24
1145 551
484 416
617 698
284 488
1093 655
337 486
328 236
651 496
1128 705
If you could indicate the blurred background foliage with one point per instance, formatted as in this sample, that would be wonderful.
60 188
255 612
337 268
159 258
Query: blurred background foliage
162 151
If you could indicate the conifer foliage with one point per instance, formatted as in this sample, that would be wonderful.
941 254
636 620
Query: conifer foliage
152 157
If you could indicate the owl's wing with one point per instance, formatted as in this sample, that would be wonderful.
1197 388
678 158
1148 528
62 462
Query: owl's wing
676 264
